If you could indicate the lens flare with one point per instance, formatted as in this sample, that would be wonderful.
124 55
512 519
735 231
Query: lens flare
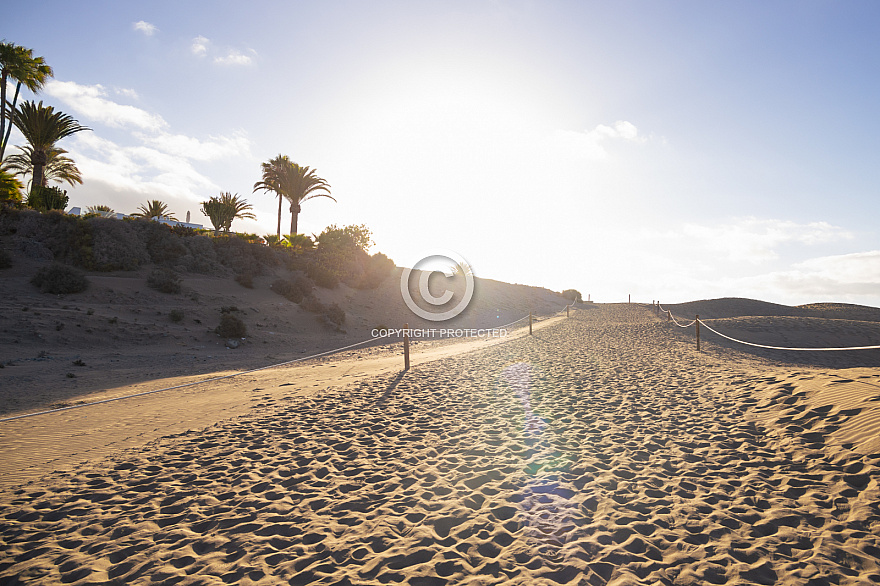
545 502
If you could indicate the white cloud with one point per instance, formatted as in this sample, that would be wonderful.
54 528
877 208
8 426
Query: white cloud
592 144
199 46
202 47
147 159
128 93
215 147
234 58
859 268
756 240
91 101
137 169
145 27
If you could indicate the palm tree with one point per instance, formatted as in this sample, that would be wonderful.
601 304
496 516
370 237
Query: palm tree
292 182
58 167
19 64
153 209
273 169
10 187
42 127
299 242
301 184
101 210
226 208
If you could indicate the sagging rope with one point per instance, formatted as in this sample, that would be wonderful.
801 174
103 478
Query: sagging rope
710 328
732 339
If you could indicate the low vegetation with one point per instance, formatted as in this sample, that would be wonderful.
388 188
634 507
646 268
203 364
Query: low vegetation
573 295
164 280
59 279
231 326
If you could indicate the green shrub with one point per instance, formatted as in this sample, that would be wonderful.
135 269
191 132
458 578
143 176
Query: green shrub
294 290
5 259
60 279
573 295
231 327
245 279
377 269
176 315
164 280
311 303
322 276
116 246
47 199
334 314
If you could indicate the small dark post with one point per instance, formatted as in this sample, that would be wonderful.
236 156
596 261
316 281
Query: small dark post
668 316
629 298
566 310
530 323
697 322
405 346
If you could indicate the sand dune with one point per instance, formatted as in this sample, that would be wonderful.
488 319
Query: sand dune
59 349
602 450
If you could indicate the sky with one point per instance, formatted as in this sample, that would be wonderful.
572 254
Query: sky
676 150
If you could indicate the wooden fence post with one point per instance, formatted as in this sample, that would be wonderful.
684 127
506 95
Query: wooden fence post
697 322
405 346
530 323
566 310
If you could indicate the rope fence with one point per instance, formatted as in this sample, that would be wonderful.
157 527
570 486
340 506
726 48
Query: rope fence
253 370
660 309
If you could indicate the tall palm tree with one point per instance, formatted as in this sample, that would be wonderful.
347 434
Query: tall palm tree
273 169
18 63
58 167
301 184
42 127
153 209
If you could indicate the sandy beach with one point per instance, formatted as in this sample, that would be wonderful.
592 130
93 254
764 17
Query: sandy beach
601 450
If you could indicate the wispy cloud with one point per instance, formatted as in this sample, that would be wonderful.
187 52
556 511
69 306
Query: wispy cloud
200 46
593 144
145 27
91 101
203 47
150 160
234 57
127 92
214 147
755 240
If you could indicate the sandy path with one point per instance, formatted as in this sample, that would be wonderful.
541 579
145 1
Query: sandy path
600 451
33 447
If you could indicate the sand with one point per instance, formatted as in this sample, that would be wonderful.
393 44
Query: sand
601 450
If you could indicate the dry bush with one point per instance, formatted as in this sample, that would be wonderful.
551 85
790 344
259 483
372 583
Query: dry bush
60 279
116 246
231 327
296 290
164 280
